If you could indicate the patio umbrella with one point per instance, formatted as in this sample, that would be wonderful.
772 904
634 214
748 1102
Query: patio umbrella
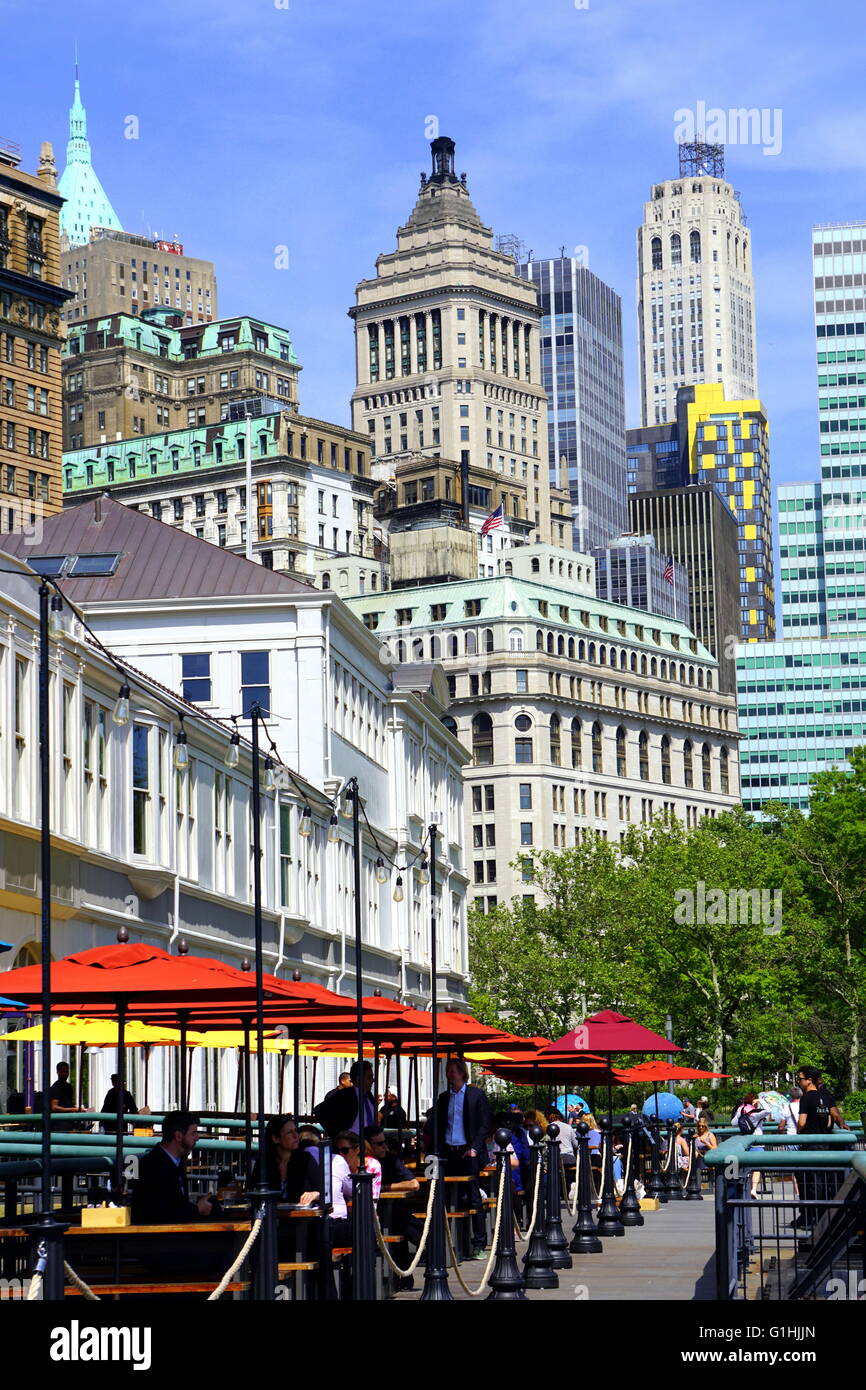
655 1072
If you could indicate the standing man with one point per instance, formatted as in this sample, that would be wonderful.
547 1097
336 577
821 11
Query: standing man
109 1107
340 1108
817 1114
464 1122
62 1097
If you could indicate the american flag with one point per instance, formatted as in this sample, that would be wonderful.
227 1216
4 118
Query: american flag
669 572
494 519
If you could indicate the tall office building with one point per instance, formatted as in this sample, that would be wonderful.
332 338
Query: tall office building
803 699
634 571
726 443
31 339
448 354
87 204
582 373
695 292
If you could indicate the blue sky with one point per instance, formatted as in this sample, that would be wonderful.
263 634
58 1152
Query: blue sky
268 123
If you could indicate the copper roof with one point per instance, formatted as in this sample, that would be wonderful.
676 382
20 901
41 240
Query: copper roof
157 561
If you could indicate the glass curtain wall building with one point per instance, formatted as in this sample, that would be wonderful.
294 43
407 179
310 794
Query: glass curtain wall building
582 373
803 699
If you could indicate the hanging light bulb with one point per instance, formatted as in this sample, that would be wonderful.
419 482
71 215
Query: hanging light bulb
349 804
306 826
398 890
55 616
424 873
381 871
181 752
120 713
268 782
333 830
233 752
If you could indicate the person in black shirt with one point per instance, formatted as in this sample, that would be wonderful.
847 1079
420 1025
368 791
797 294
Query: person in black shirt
289 1169
392 1115
160 1196
62 1097
109 1107
396 1177
818 1114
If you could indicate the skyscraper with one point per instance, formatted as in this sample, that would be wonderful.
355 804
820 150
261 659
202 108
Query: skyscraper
695 293
803 699
582 373
447 351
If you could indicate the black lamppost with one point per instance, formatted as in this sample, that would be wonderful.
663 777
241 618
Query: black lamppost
363 1242
436 1276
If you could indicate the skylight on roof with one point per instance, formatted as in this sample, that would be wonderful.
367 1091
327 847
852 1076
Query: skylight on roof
87 566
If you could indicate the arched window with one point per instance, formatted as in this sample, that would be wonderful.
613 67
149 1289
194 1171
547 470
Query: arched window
663 670
623 661
560 646
536 564
401 649
471 641
688 769
657 252
555 749
523 741
691 675
482 739
581 651
705 768
263 444
701 677
591 653
576 744
417 648
634 662
539 640
709 680
724 781
487 639
596 748
435 648
602 655
515 640
682 674
452 645
643 665
643 755
695 247
654 667
621 763
676 249
666 758
571 649
550 643
326 580
450 724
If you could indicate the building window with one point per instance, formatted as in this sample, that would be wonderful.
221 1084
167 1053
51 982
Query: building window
523 750
621 763
482 739
666 758
656 253
688 772
643 755
526 832
705 768
195 677
521 681
255 682
140 787
555 746
596 748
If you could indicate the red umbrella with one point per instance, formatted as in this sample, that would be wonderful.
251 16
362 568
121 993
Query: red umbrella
609 1032
664 1071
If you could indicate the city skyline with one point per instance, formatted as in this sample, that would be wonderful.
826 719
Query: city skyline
532 160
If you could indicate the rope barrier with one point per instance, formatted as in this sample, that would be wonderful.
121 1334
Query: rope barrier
669 1153
35 1289
80 1284
524 1235
380 1239
571 1206
232 1271
689 1165
476 1293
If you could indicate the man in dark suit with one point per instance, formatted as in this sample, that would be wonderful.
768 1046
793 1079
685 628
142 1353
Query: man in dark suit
339 1109
160 1196
464 1121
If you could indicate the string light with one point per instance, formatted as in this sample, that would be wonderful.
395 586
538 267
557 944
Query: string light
398 890
268 782
333 830
381 871
423 873
306 826
349 803
181 751
120 713
233 752
55 616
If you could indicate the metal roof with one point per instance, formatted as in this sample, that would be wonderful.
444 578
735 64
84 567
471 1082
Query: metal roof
157 561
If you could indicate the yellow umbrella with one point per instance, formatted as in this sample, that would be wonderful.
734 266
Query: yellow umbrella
73 1030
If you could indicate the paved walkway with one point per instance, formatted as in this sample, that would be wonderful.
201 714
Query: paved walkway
669 1257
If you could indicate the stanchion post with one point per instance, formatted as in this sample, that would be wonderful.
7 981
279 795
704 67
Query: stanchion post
693 1191
584 1239
553 1232
672 1172
506 1281
436 1288
629 1208
265 1261
656 1186
609 1219
363 1230
538 1271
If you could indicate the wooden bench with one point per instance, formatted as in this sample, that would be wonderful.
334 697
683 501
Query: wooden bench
147 1290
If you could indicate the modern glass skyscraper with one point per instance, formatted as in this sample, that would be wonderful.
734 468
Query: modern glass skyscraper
582 372
803 700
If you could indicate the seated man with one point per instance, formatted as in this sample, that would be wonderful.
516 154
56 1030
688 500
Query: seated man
396 1177
160 1196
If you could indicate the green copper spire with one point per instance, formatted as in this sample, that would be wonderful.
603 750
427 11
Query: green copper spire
87 204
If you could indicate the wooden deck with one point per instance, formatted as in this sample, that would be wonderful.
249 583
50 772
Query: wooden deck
669 1257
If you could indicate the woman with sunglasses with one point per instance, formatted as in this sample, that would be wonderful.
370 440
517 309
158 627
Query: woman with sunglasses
346 1161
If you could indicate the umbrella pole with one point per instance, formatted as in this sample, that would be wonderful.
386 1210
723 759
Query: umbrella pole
296 1076
375 1082
282 1079
313 1091
121 1085
248 1130
80 1074
535 1085
183 1016
237 1104
147 1047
